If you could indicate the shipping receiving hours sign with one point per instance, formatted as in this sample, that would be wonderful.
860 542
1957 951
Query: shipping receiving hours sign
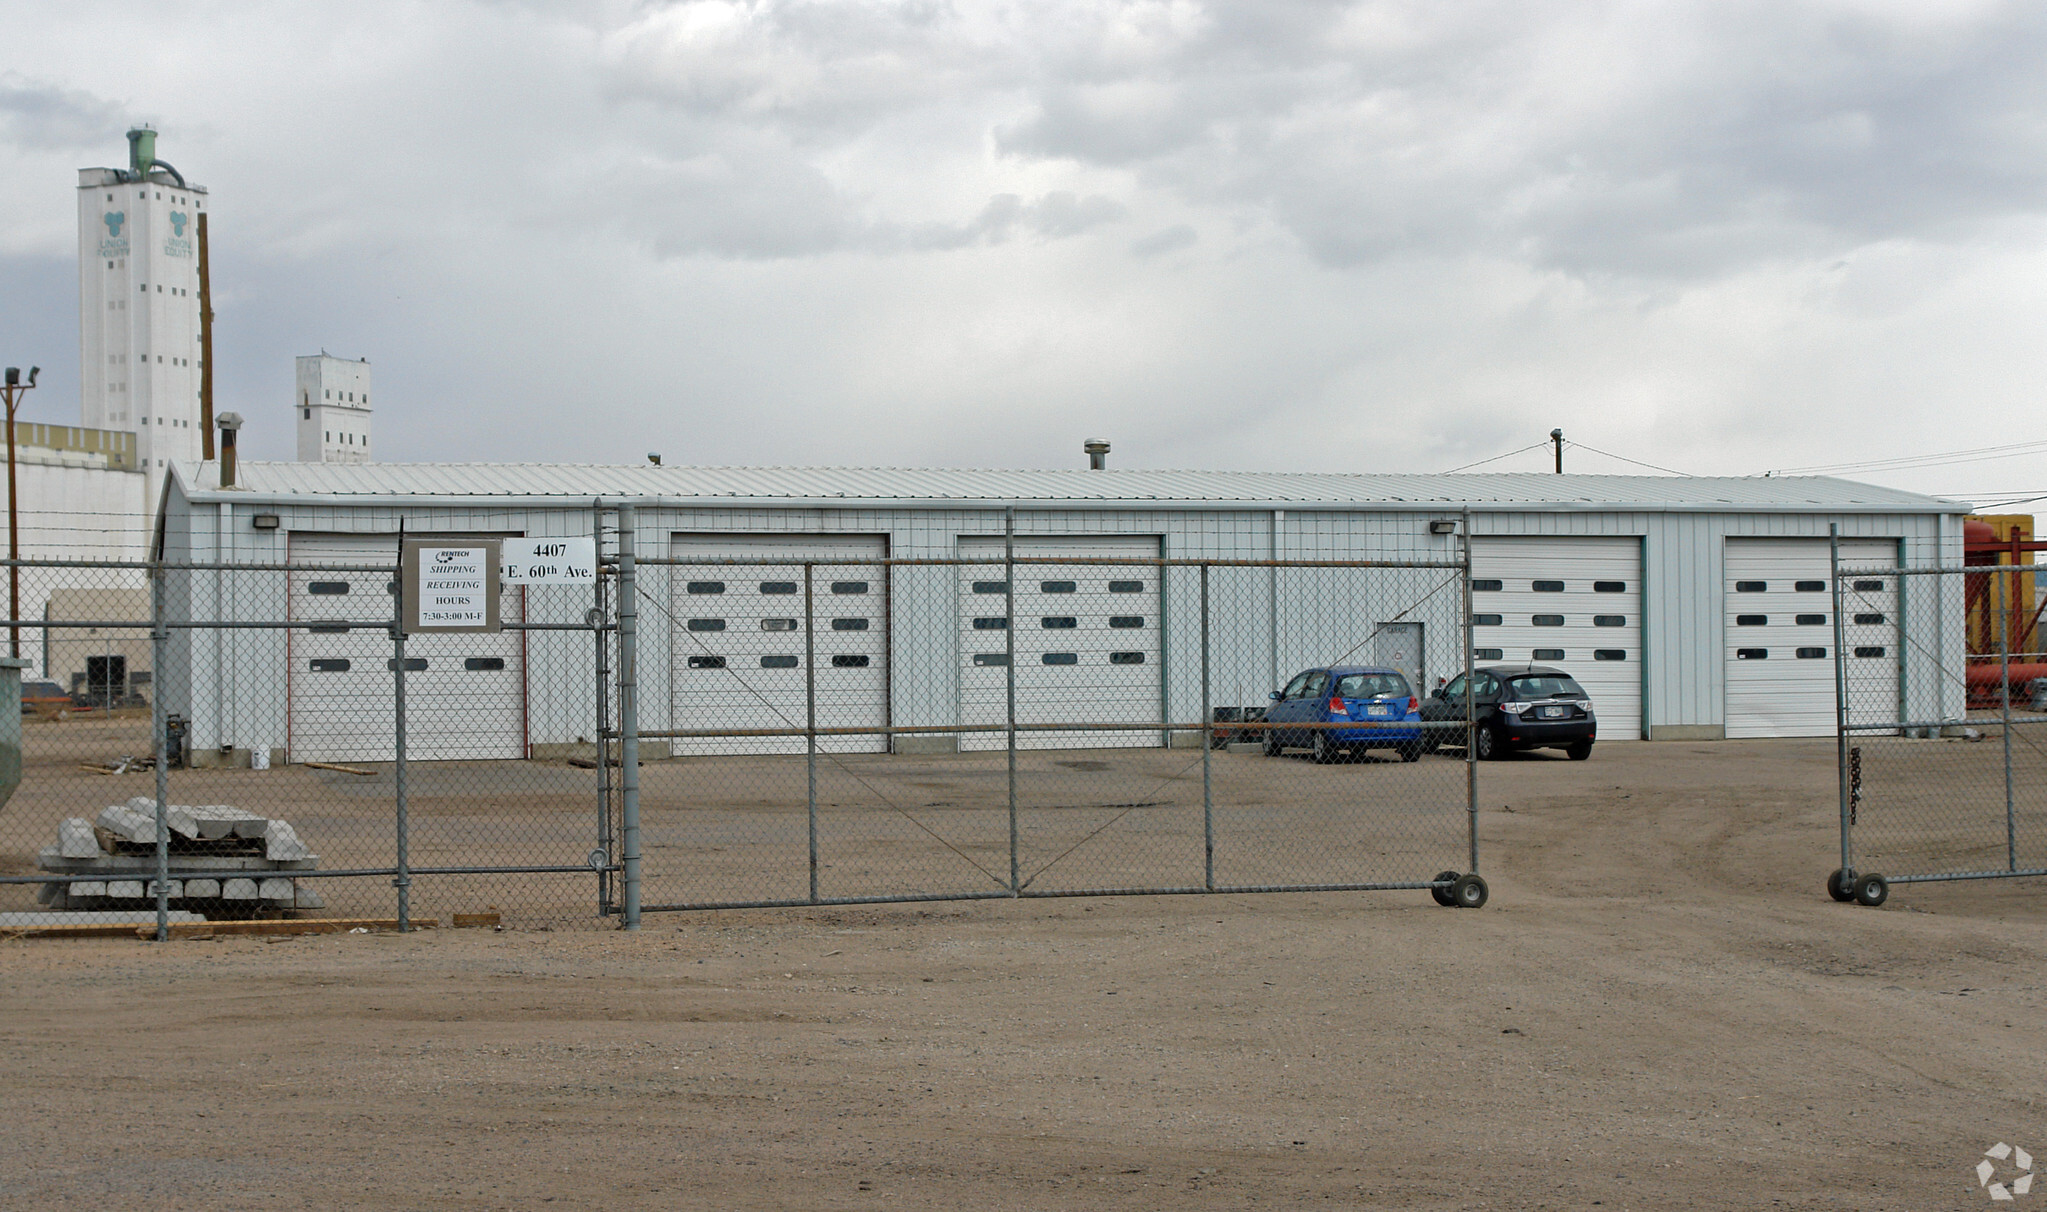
450 587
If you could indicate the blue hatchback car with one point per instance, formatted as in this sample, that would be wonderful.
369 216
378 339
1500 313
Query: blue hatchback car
1378 704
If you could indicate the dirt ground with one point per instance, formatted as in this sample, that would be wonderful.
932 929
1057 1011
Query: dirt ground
1659 1008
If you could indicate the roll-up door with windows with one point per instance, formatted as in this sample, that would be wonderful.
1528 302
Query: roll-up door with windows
1087 641
465 695
740 640
1779 635
1573 602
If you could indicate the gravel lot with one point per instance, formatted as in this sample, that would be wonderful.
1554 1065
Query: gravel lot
1658 1009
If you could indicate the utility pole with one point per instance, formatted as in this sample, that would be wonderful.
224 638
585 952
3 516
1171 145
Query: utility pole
14 389
1556 436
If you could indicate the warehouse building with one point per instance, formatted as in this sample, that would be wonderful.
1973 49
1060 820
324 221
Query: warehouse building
1690 608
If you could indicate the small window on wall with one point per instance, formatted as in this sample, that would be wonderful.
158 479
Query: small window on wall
1751 654
1609 654
849 662
707 587
1810 586
1126 586
1485 620
778 624
1870 650
991 623
1751 587
1547 620
1752 620
778 662
1061 658
1126 621
484 664
330 665
1609 586
707 624
1059 622
1812 620
1609 620
412 664
1488 654
991 658
1126 658
1056 586
1872 619
1485 587
1548 654
1547 586
849 624
778 587
991 586
707 662
1812 654
849 587
328 587
1869 586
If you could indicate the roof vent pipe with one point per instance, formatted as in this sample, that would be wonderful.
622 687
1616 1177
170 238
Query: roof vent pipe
141 150
1097 454
230 423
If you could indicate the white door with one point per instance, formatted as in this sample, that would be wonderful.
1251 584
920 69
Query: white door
1571 602
1779 636
740 641
465 695
1087 641
1399 646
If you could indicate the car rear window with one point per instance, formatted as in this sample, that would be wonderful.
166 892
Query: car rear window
1372 686
1545 687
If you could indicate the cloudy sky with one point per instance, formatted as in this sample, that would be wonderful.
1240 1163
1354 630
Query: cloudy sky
1718 237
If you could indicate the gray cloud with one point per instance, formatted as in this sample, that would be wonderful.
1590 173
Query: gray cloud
43 116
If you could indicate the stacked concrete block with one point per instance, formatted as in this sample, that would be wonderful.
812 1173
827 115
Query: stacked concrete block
213 839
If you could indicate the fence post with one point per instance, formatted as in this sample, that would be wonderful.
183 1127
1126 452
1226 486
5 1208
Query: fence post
1841 698
1470 712
403 880
629 715
1009 681
2007 599
1207 745
600 616
159 645
810 714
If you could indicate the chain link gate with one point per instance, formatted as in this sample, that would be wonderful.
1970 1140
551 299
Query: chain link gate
203 741
1941 706
1049 717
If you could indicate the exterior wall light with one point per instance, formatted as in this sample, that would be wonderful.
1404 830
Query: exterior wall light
264 521
1443 526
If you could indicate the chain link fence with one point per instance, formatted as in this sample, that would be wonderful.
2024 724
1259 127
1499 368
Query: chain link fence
309 761
848 730
1941 697
825 726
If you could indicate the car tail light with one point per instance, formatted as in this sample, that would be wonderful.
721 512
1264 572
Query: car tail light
1413 703
1336 704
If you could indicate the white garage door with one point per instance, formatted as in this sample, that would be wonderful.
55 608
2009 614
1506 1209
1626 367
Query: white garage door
1571 602
1779 636
465 695
1087 641
739 641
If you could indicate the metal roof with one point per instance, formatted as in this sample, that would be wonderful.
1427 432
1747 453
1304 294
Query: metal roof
645 483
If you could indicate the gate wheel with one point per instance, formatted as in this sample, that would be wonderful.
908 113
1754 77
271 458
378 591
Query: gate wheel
1841 885
1872 890
1469 892
1442 894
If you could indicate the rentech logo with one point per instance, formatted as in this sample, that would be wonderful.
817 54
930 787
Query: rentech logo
2006 1172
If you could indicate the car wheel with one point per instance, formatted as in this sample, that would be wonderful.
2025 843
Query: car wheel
1872 890
1486 743
1410 750
1326 751
1442 893
1271 742
1578 752
1469 892
1841 885
1430 741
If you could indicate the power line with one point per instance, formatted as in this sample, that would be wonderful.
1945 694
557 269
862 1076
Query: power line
1496 458
1931 459
1623 458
